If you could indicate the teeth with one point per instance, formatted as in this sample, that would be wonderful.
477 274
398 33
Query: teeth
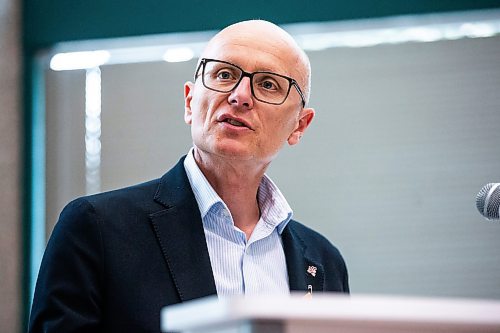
234 122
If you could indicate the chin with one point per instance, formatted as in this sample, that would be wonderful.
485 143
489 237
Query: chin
235 151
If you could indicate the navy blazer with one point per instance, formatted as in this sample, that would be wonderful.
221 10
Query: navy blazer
115 259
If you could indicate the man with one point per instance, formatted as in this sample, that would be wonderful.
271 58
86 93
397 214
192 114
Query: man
215 223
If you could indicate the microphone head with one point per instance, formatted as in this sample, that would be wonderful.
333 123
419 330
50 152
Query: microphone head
488 201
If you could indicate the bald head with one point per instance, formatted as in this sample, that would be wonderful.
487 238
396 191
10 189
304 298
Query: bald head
263 37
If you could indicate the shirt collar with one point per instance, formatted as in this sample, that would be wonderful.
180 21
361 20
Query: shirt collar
274 208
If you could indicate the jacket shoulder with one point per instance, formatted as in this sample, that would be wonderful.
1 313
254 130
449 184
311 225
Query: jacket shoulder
311 238
127 195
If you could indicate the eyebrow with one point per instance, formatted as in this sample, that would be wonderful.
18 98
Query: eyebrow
264 68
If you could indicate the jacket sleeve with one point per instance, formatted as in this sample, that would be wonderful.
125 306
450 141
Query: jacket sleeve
337 278
68 295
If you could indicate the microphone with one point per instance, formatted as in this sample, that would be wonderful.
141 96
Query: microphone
488 201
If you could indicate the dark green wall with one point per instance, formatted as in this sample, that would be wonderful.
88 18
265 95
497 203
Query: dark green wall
49 21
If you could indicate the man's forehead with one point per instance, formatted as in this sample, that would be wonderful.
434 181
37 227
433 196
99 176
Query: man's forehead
254 52
251 57
259 45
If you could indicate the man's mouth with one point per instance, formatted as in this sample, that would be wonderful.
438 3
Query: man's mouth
226 118
234 122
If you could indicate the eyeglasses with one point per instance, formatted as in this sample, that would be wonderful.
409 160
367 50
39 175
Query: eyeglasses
267 87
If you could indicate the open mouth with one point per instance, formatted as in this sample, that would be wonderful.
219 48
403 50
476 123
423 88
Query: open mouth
227 118
234 122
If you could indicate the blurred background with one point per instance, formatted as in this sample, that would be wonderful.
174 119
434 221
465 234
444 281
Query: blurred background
407 128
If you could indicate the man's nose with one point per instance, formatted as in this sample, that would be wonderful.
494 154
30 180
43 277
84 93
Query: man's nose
241 95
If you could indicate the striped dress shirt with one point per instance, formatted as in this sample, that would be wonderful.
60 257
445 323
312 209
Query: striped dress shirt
241 266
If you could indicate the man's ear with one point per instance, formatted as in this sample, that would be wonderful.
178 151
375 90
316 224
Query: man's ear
188 96
305 118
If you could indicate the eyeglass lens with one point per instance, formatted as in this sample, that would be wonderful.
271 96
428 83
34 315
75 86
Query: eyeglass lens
266 87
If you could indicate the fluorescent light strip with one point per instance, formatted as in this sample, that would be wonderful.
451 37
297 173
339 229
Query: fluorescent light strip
178 54
93 130
398 35
310 36
79 60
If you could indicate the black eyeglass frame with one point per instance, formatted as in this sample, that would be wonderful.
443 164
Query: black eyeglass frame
291 82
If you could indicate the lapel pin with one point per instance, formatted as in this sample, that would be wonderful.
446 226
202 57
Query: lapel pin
312 270
309 292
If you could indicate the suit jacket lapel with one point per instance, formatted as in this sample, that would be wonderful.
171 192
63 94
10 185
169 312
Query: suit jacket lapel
303 269
180 233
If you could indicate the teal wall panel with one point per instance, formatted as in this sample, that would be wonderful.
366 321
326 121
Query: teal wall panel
50 21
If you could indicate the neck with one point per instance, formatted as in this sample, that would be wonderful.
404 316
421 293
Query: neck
237 183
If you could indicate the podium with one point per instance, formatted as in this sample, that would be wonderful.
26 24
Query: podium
324 313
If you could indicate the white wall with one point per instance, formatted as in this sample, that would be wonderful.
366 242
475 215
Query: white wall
404 138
